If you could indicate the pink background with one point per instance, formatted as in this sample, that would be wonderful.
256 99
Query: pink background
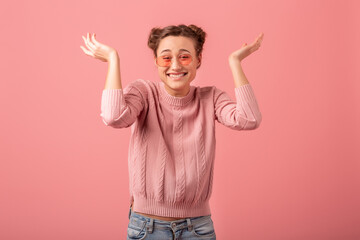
63 173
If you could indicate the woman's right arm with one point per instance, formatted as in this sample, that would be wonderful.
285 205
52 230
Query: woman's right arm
119 107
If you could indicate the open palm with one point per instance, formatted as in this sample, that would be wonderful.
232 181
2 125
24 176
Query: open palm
246 49
96 49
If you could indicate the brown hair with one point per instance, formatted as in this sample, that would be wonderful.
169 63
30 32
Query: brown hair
191 31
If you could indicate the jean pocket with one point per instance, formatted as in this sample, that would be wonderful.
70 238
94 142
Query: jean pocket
136 229
204 228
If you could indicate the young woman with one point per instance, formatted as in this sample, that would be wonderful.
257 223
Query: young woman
172 144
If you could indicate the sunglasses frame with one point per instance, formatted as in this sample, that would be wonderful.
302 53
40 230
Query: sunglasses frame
192 59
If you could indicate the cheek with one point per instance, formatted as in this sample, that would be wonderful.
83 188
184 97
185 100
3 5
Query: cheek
161 72
192 70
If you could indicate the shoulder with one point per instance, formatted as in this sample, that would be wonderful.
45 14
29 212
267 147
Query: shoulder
143 86
207 91
212 94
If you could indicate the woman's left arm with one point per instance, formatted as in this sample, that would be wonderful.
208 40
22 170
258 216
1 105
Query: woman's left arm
244 114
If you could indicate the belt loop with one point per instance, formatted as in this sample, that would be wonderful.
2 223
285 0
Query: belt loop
151 224
189 224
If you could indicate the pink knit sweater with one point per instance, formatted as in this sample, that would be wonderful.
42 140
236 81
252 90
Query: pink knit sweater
172 145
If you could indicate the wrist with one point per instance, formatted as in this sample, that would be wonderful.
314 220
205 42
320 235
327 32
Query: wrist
234 63
234 59
113 56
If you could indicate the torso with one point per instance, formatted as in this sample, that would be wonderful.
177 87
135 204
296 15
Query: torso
155 216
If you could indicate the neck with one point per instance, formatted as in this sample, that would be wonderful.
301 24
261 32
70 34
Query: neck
180 93
177 99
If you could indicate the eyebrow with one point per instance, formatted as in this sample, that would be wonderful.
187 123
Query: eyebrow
168 50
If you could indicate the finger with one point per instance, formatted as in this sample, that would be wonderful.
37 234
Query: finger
255 46
258 41
260 37
90 43
254 49
87 44
87 52
94 40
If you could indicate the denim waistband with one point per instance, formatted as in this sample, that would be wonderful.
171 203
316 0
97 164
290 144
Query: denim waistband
176 224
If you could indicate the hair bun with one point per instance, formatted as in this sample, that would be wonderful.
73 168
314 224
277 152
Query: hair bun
198 31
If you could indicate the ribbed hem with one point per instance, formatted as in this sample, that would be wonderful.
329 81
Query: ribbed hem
247 104
166 209
112 97
111 102
246 93
176 101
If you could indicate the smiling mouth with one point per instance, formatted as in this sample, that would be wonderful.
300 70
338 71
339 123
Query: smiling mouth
176 76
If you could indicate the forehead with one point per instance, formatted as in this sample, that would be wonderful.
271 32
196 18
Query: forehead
175 43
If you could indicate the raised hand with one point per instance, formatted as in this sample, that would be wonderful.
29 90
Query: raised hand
246 49
96 49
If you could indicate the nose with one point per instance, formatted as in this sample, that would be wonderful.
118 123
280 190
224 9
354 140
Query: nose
175 64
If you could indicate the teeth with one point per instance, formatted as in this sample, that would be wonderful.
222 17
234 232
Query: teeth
176 75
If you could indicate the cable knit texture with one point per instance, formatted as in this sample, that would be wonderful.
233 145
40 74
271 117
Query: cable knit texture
172 145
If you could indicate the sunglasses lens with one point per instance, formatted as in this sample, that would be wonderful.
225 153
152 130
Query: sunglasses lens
165 61
185 59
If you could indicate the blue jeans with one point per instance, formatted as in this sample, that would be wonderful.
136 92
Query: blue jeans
142 227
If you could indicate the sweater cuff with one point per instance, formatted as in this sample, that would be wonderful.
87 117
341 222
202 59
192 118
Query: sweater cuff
112 97
111 104
246 93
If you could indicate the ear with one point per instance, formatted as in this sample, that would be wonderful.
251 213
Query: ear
155 61
199 58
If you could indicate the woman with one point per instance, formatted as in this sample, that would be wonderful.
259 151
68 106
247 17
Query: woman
172 144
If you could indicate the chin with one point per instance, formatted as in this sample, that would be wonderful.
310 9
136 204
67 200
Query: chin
183 82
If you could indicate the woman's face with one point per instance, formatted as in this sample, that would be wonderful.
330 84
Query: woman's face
173 46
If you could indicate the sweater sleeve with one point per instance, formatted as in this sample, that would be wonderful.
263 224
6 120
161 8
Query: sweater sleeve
244 114
121 107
